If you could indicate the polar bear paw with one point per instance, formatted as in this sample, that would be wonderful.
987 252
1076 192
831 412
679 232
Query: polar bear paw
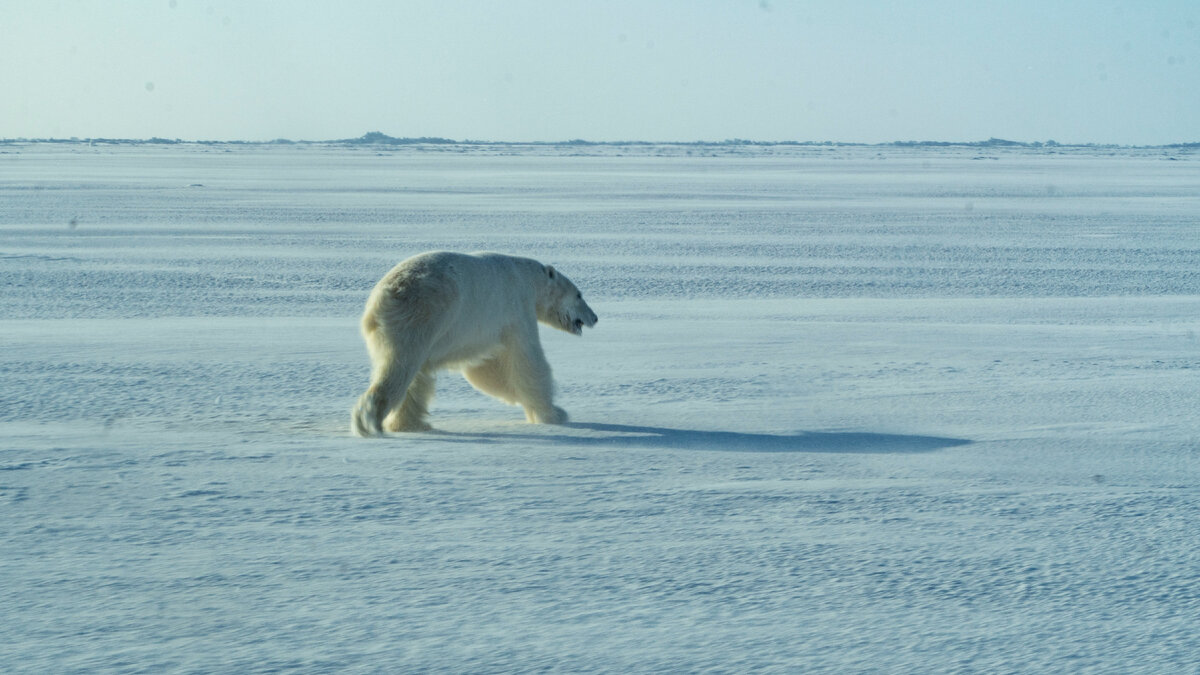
554 415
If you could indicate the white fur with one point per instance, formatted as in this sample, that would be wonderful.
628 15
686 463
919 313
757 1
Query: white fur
476 313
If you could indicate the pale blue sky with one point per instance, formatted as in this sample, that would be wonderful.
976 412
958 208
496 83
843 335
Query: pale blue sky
670 70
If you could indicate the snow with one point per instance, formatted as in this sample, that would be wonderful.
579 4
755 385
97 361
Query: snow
846 409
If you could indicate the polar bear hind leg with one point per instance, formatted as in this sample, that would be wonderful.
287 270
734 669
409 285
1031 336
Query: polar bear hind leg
384 401
413 413
401 387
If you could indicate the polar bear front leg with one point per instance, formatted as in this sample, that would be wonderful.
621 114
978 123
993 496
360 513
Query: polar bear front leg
498 376
533 384
492 378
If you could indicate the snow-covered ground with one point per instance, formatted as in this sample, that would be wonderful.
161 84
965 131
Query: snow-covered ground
846 409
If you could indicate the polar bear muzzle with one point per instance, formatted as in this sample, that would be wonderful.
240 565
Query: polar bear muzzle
578 316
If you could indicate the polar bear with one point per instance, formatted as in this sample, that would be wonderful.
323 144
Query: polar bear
472 312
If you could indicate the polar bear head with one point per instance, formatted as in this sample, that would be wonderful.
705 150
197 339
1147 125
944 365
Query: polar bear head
561 305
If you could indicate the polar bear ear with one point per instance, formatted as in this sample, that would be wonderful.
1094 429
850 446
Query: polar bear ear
550 271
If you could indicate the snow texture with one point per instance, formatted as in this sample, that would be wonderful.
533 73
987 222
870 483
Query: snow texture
849 409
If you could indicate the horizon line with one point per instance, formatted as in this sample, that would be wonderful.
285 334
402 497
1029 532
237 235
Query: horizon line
379 138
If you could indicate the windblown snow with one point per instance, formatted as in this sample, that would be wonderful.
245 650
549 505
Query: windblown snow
849 409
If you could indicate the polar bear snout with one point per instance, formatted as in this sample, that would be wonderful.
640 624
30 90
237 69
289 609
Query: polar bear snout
583 318
577 327
575 321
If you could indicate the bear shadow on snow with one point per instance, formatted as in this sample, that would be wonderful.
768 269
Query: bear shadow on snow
631 436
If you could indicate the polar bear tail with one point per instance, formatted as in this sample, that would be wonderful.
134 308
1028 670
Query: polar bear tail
366 419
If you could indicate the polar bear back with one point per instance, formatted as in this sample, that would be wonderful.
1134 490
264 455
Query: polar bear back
456 305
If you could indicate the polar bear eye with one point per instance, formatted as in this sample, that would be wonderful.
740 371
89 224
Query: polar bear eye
579 296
